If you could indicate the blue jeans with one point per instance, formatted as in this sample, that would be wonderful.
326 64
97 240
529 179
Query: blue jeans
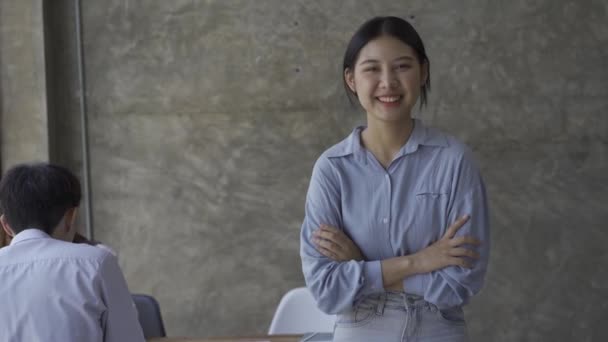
399 317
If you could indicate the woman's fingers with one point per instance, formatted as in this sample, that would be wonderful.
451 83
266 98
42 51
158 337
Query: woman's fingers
464 252
339 243
328 253
462 262
451 231
329 249
328 228
330 233
328 244
464 240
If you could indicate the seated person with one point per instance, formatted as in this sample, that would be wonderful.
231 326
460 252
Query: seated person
52 289
5 240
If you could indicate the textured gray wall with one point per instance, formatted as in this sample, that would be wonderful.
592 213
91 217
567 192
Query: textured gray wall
206 118
23 110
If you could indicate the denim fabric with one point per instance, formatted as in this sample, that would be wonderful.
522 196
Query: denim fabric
399 317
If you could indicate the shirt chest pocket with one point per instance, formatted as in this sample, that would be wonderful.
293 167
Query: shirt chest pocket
430 213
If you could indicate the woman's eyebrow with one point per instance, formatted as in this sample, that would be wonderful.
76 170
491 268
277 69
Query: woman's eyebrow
401 58
404 58
369 61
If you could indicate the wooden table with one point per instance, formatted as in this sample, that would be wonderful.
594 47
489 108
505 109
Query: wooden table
273 338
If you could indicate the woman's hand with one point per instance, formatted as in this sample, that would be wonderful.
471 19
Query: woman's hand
448 251
335 244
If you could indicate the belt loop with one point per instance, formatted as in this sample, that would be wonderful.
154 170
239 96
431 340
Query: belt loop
411 323
381 303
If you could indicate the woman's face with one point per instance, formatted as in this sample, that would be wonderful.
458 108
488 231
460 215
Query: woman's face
387 79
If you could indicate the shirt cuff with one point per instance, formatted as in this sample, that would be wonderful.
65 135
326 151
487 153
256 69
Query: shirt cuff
371 277
416 284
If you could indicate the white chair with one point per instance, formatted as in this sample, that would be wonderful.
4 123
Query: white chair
297 313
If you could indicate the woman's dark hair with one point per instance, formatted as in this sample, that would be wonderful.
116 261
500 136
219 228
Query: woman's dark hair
386 26
37 196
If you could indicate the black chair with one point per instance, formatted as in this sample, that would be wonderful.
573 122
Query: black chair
149 315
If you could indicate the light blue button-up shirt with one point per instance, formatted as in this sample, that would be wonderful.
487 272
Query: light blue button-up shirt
52 290
398 211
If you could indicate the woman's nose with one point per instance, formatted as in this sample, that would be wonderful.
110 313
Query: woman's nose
389 79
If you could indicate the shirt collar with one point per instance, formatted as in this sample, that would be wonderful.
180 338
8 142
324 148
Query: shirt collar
29 234
421 135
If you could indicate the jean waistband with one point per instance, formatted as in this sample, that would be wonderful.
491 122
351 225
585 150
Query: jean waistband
395 300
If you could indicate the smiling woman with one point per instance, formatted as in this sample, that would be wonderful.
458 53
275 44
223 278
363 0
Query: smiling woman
395 237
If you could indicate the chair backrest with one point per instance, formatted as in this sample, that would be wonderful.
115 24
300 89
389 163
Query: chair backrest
298 313
149 315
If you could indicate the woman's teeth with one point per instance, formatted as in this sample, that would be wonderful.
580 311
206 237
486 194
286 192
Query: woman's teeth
389 99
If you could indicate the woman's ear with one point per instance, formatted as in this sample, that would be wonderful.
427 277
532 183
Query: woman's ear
70 217
424 73
68 221
65 229
6 227
349 77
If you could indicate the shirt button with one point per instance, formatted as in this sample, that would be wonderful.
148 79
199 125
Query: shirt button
385 220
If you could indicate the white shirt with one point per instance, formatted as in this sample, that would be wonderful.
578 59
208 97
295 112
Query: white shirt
51 290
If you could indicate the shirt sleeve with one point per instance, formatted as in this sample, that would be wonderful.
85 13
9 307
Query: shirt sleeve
107 249
454 285
119 322
334 285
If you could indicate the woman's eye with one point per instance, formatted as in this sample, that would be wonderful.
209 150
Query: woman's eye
371 69
403 66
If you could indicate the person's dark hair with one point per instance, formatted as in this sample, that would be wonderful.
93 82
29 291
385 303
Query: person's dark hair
386 26
37 196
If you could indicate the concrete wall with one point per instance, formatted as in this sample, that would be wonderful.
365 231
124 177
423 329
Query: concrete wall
23 108
206 118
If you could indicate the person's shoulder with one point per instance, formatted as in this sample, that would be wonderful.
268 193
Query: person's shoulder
345 147
455 154
54 250
452 146
80 251
100 259
106 248
341 149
